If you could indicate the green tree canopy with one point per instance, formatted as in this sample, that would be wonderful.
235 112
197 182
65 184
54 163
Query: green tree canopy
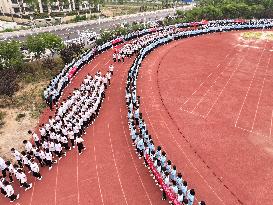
38 44
10 55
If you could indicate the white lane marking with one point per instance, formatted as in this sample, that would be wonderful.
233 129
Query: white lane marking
115 163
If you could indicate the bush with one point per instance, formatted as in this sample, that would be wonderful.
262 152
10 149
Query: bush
10 55
2 117
20 116
8 82
38 44
70 52
80 18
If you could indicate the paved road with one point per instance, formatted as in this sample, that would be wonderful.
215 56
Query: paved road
70 31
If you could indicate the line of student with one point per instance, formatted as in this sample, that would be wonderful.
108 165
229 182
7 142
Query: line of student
61 133
145 148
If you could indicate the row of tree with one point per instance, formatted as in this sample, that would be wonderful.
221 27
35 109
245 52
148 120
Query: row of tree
72 5
223 9
11 51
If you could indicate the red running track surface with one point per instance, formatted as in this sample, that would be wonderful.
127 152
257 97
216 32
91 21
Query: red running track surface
108 172
208 101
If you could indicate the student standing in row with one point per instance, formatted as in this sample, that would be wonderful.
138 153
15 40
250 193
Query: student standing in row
10 191
79 141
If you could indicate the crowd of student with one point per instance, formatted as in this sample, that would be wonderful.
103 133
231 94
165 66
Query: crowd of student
172 184
60 134
54 90
86 37
134 46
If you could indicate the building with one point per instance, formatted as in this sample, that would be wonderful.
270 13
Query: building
20 7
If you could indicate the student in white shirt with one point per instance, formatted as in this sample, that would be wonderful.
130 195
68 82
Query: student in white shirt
185 201
173 173
10 192
2 186
59 150
201 203
174 188
167 183
64 142
190 196
11 170
111 69
184 188
180 196
48 159
41 155
51 146
35 169
3 167
114 57
35 138
71 137
28 147
25 160
42 132
80 145
21 176
179 180
17 155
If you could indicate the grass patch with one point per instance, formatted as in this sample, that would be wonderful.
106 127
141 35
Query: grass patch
270 36
20 116
32 80
252 35
2 118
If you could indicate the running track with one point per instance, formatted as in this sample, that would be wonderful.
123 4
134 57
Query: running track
108 172
220 169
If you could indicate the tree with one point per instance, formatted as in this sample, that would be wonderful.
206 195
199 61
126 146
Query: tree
35 45
70 52
10 55
38 44
52 41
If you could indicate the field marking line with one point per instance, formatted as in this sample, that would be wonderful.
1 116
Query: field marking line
207 91
197 89
224 87
56 184
201 100
77 177
32 193
260 94
128 146
97 172
107 62
115 163
270 133
249 88
66 197
256 133
207 78
145 110
129 150
193 113
88 179
190 162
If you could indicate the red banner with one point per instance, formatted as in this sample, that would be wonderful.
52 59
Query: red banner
72 72
116 41
167 189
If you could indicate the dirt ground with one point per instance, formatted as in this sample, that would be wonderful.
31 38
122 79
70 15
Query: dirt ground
20 116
